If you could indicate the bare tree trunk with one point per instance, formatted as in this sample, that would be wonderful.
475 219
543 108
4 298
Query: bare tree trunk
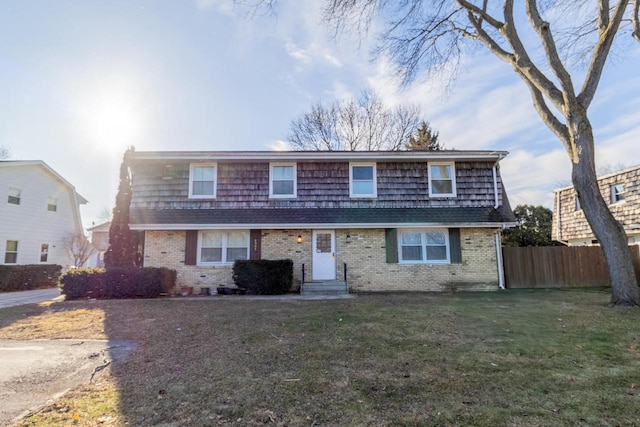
608 231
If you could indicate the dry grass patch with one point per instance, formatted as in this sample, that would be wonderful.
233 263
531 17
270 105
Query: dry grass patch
517 358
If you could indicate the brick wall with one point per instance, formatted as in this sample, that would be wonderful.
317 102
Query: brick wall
364 255
367 269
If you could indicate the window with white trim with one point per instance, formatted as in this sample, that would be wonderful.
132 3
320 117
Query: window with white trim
44 252
442 179
14 196
362 180
282 180
222 247
11 252
617 193
202 180
430 246
52 204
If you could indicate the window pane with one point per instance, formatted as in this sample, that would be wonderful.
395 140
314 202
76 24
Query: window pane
441 187
211 255
282 187
411 239
412 253
362 173
204 173
323 243
234 254
12 246
211 239
10 258
237 239
441 172
436 253
202 188
282 173
436 238
362 187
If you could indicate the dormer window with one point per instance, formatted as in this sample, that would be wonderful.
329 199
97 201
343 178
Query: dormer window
282 180
202 180
14 196
442 179
617 193
362 180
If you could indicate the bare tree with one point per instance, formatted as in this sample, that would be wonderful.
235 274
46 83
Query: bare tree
427 36
364 123
79 248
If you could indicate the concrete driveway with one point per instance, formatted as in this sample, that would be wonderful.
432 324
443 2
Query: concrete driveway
35 372
9 299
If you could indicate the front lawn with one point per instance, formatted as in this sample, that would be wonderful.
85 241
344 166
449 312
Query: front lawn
512 358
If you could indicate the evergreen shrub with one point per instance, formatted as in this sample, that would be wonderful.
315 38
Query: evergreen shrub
263 277
28 277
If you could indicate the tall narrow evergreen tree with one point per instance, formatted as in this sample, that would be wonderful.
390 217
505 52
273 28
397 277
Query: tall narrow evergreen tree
122 241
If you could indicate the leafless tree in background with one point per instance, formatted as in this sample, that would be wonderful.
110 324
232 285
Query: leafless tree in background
79 248
363 123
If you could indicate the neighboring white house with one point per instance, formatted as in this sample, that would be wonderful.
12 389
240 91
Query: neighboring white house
39 211
100 242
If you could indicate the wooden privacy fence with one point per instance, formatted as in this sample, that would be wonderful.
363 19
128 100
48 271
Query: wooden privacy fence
559 266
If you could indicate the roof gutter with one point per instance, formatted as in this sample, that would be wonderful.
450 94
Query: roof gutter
317 226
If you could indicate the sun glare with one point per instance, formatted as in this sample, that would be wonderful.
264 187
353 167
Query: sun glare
113 123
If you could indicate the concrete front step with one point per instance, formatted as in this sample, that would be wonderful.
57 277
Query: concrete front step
324 288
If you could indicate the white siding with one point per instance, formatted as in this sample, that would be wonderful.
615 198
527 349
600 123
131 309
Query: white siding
30 223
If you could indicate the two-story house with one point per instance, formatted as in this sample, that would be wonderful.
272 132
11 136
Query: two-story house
100 242
424 221
39 211
622 191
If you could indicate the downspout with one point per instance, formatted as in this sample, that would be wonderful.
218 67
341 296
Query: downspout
495 185
499 260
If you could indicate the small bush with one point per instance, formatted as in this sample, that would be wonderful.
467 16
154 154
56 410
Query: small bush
263 277
28 277
117 283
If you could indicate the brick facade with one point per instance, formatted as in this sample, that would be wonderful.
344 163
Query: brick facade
364 255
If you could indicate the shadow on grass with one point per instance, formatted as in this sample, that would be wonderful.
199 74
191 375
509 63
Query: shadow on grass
500 358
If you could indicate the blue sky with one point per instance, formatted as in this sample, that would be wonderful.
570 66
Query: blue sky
82 80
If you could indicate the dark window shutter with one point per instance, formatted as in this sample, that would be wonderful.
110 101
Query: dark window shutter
255 251
454 246
191 248
391 244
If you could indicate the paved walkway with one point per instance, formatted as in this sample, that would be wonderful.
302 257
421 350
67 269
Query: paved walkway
10 299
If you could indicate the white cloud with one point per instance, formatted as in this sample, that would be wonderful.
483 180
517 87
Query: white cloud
226 7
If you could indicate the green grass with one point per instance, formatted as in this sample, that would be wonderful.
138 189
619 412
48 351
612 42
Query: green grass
514 358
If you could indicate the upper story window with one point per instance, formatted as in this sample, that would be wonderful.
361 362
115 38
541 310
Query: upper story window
362 180
11 252
52 204
202 180
44 252
219 247
617 193
424 246
282 180
442 179
14 196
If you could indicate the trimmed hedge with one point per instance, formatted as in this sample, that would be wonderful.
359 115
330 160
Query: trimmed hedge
263 277
28 277
117 283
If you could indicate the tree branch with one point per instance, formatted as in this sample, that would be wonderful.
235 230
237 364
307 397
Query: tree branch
601 51
603 14
542 28
636 20
482 14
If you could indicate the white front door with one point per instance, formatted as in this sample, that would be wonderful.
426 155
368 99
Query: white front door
324 255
